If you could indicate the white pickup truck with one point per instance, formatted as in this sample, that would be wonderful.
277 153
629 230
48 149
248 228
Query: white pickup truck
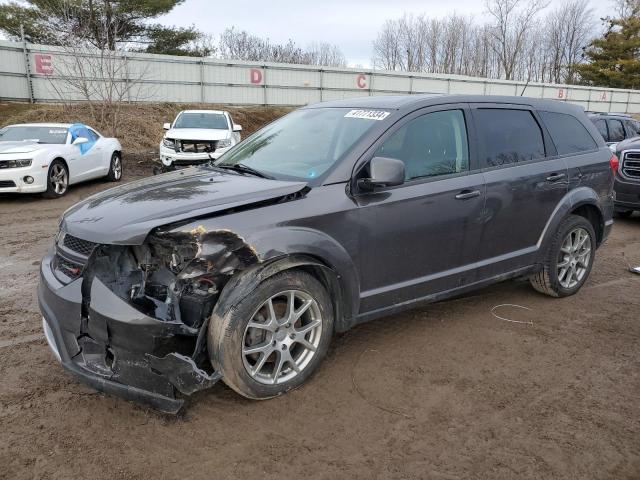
197 136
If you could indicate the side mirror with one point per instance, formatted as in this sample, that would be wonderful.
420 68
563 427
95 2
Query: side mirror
237 128
385 172
80 141
166 126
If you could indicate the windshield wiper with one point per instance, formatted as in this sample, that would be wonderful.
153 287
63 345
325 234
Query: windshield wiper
242 168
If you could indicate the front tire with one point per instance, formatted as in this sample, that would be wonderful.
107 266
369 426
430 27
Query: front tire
57 180
275 338
115 168
568 259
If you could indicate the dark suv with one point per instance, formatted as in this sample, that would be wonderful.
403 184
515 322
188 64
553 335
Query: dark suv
627 182
335 214
615 128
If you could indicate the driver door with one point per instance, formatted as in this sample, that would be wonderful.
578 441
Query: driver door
86 159
421 237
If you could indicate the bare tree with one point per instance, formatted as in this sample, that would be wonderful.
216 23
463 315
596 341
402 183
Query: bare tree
98 75
512 21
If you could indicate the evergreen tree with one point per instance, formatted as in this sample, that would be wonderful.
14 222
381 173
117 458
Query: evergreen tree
614 60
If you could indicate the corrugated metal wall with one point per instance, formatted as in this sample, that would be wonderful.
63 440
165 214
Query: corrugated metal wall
194 80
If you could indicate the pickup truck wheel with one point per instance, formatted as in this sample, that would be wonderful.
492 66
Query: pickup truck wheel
276 336
568 259
115 168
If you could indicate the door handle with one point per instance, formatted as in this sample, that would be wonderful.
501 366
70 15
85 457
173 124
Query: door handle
554 177
467 194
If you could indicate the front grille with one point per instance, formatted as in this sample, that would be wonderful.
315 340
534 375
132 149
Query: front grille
631 165
7 183
71 269
195 146
82 247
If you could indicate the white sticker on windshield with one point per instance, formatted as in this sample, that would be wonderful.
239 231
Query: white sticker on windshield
368 114
57 132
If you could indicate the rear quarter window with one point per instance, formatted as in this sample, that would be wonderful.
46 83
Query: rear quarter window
508 136
567 133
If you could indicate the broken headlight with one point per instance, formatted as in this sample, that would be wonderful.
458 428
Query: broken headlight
226 143
168 142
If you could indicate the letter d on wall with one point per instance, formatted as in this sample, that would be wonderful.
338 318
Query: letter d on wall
255 75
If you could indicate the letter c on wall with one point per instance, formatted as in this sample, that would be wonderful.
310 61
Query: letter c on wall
255 75
361 81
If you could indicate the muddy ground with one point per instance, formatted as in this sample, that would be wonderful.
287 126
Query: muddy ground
443 392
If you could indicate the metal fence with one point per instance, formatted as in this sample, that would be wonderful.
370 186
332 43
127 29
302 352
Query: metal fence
30 72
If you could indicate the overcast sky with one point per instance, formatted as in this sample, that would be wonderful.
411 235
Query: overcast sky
350 24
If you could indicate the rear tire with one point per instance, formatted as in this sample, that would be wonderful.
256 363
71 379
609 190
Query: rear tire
568 259
115 168
262 347
57 180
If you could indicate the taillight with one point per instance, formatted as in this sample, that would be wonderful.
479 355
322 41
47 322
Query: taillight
614 163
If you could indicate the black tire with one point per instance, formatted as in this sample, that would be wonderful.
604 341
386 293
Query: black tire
546 280
226 336
54 188
115 168
623 213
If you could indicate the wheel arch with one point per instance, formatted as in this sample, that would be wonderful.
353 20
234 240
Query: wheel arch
247 280
583 201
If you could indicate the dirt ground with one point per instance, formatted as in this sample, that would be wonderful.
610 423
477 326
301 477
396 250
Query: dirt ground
443 392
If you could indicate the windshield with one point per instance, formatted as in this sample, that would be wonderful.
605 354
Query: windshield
57 135
214 121
304 144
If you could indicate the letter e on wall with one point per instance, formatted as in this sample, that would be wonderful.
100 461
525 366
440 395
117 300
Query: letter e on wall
255 76
44 63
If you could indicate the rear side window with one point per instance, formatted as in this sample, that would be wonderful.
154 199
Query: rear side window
508 136
616 131
633 127
568 134
601 125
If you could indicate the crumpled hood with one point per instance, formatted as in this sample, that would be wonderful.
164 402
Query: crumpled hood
19 147
197 134
126 214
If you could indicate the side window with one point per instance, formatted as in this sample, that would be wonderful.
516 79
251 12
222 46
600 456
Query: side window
508 136
93 136
601 125
616 131
633 128
568 134
432 144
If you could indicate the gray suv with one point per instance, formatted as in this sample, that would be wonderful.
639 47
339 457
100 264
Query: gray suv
338 213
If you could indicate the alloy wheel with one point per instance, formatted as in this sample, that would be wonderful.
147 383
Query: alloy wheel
282 337
117 167
574 257
58 179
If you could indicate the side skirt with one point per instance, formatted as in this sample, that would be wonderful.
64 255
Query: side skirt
435 297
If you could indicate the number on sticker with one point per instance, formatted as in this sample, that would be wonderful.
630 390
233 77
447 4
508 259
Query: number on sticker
367 114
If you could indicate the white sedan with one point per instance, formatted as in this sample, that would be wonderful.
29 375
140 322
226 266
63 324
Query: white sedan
198 136
48 157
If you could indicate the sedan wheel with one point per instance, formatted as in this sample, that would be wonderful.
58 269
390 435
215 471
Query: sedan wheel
115 168
282 337
57 180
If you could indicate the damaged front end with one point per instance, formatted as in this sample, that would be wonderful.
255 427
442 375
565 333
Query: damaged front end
132 319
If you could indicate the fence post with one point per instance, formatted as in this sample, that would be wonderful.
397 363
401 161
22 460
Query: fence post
264 85
321 83
27 64
202 80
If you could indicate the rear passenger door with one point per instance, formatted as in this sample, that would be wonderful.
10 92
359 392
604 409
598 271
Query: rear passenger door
525 181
